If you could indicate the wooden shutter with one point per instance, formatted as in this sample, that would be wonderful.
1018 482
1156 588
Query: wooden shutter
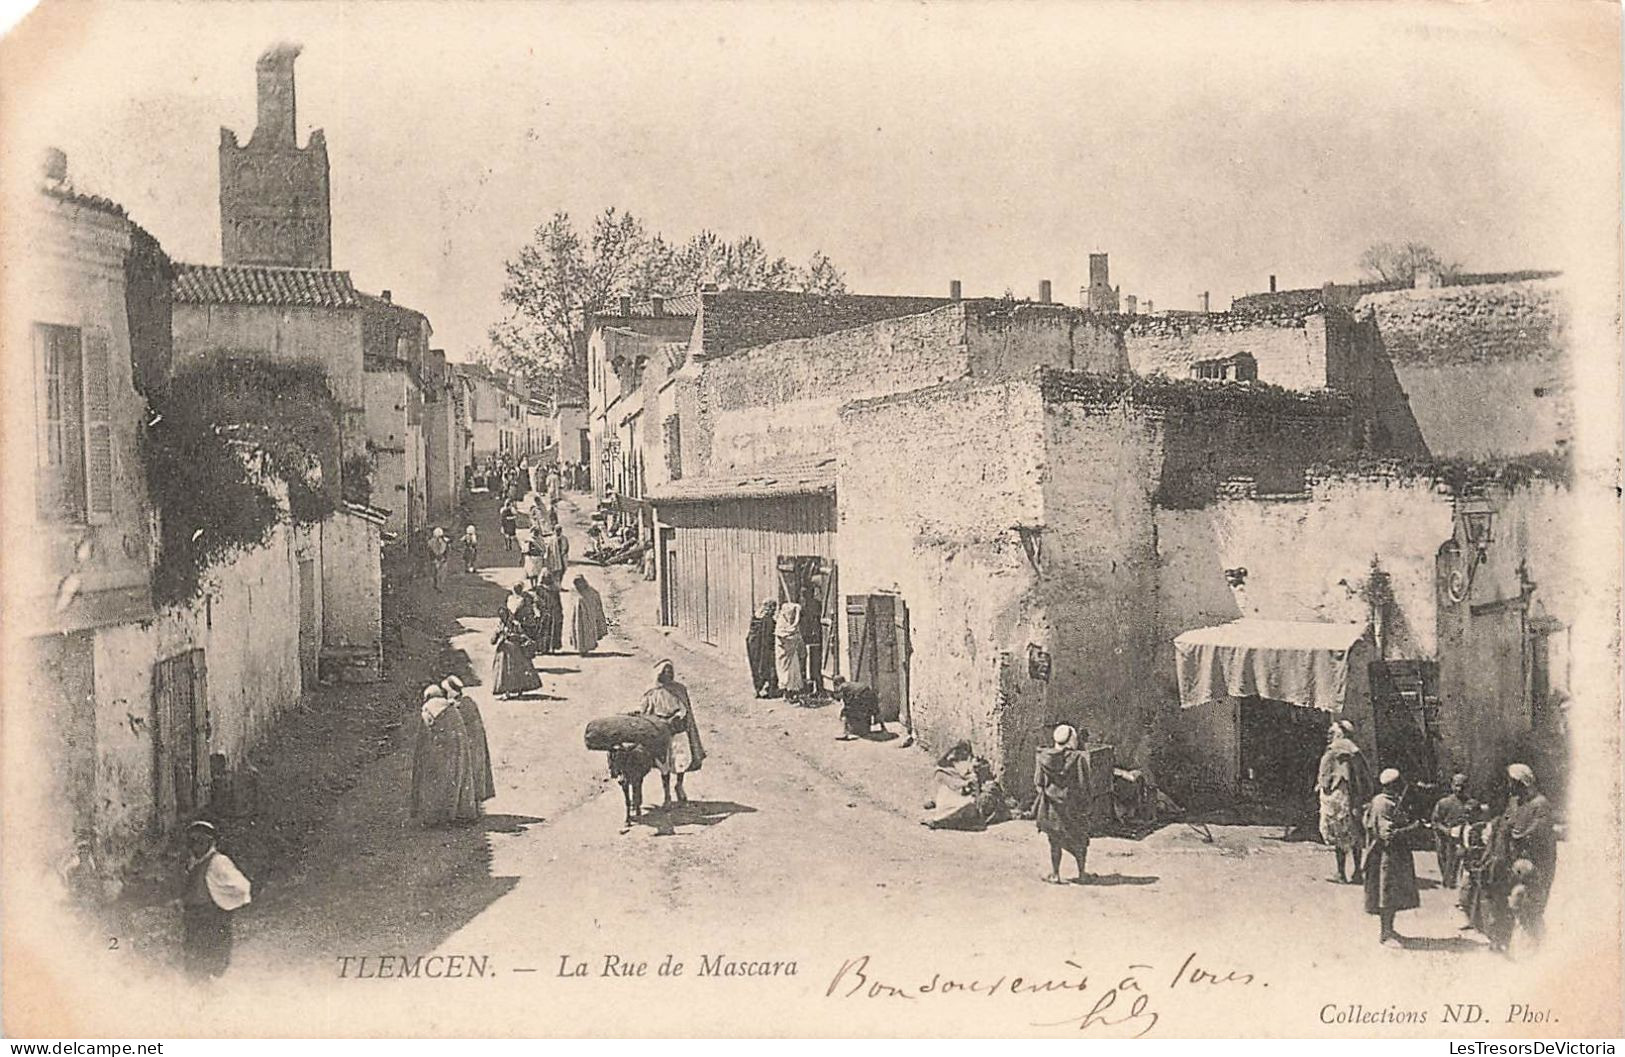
98 426
61 480
674 447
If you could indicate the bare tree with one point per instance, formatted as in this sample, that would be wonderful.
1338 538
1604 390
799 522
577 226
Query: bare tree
560 274
1387 262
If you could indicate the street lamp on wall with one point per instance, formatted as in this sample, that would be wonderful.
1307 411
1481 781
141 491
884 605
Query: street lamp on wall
1475 521
1477 524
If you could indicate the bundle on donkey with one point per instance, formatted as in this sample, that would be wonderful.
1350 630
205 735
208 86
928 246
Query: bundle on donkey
633 744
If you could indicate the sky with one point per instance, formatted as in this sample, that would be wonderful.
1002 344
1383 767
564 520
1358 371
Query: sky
1203 147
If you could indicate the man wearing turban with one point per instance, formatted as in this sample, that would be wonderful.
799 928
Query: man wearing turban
1390 872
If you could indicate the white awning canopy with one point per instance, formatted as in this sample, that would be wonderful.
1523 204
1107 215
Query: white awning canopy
1299 662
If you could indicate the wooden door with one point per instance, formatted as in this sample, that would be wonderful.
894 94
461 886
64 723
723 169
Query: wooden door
668 577
707 619
309 637
830 605
877 649
181 711
902 649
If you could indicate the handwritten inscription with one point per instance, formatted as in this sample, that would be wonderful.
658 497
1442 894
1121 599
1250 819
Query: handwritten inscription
1119 1003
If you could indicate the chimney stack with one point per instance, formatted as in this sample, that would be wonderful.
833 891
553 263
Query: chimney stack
56 165
1205 308
1150 306
1044 291
1131 303
954 290
387 297
625 306
1272 284
657 305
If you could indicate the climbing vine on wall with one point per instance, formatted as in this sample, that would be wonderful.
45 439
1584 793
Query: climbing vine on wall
214 439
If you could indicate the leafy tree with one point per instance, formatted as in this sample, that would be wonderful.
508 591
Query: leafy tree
560 273
1387 262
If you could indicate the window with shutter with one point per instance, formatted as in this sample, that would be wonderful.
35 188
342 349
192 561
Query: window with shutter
674 447
98 426
59 414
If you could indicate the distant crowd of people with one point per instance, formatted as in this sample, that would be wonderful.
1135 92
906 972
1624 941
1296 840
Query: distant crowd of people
1504 862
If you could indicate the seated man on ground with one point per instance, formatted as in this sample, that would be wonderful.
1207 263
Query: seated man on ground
860 709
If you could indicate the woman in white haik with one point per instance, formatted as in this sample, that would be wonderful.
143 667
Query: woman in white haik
791 653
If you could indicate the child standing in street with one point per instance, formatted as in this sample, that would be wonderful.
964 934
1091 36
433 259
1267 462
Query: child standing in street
510 526
212 889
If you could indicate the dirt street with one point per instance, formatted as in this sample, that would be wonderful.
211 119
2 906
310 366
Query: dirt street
796 848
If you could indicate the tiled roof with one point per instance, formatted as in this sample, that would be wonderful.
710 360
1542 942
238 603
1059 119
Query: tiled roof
378 304
499 379
732 320
679 306
792 477
65 193
207 284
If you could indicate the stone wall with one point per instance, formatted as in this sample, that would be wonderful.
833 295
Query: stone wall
1485 366
781 400
443 475
1009 340
1486 411
1374 548
932 485
396 446
730 320
1290 348
1120 454
568 424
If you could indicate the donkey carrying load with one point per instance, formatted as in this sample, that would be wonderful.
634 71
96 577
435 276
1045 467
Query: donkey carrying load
633 743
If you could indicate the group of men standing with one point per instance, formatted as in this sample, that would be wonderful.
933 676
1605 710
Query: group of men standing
1508 859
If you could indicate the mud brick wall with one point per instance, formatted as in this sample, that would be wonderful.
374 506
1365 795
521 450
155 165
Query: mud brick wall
247 624
1099 581
932 485
1491 647
781 400
1119 451
328 338
1308 557
1009 340
1290 349
787 392
733 320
